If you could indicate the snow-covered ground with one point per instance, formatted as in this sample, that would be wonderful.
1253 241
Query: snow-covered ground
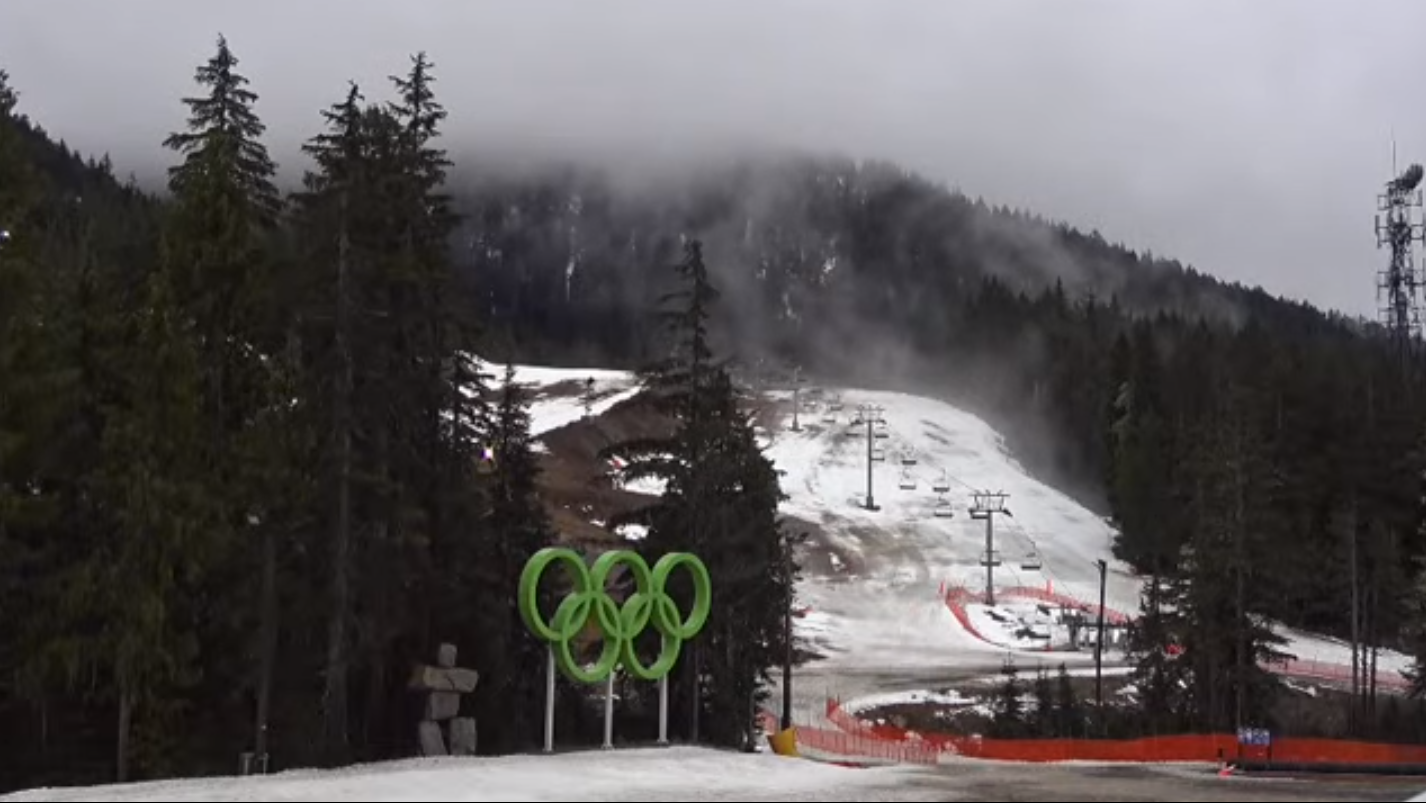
674 773
550 411
884 610
879 617
880 612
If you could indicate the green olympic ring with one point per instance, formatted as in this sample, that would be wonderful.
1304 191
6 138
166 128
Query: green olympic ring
619 626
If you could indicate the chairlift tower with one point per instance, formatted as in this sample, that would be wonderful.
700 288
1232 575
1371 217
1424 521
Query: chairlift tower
797 381
985 505
1399 283
870 414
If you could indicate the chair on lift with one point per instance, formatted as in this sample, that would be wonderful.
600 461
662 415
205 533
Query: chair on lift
908 482
943 509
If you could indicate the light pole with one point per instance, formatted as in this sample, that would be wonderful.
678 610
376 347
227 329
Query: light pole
1099 649
796 397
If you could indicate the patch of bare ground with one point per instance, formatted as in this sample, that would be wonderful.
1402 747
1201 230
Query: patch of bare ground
576 484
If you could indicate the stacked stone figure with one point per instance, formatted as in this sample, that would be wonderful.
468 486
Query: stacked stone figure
444 684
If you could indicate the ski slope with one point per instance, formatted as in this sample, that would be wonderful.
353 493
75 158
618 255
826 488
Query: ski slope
673 773
558 393
877 613
883 608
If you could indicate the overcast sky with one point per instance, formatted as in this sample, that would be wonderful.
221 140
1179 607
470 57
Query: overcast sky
1248 138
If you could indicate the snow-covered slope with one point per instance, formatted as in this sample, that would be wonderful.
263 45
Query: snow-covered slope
883 607
878 612
559 393
675 773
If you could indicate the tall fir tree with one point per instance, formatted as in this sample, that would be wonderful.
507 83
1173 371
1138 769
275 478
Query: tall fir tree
1225 638
328 223
146 579
1154 648
218 262
1042 720
20 333
720 503
225 204
1007 719
512 662
1069 709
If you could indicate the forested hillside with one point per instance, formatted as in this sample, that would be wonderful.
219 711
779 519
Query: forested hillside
250 475
242 440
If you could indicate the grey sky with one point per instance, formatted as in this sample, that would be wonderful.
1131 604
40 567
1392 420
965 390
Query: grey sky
1246 137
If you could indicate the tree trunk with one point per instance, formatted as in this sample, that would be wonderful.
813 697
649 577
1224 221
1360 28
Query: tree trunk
1240 560
334 698
269 628
126 717
1351 532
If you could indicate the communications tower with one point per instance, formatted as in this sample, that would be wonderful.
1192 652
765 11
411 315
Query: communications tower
1399 283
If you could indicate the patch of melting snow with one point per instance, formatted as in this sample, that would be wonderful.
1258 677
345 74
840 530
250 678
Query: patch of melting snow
634 532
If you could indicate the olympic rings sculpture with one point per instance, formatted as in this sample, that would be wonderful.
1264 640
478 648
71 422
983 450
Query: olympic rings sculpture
619 625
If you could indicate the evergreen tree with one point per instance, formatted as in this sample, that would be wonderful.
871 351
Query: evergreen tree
1069 710
512 663
329 223
20 334
1153 648
1043 720
216 258
1226 642
224 205
720 503
1414 603
145 579
1139 456
1007 709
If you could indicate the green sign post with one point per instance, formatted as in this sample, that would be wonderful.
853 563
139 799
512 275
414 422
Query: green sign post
619 625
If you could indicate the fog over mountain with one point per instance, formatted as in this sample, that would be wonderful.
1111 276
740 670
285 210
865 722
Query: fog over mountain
1247 139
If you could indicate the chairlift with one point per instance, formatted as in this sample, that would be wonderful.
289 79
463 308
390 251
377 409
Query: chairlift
943 483
908 482
878 454
992 561
881 433
908 458
829 417
1031 563
857 420
943 509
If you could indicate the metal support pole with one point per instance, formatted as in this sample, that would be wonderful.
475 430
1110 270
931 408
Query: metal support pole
1099 650
663 710
787 665
796 405
609 712
550 701
870 449
989 558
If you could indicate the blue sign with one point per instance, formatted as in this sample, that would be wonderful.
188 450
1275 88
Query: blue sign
1255 737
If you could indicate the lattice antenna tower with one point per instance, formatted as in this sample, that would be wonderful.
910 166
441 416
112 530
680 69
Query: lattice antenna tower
1399 283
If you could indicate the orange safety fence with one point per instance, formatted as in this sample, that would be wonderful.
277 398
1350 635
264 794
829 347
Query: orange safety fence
1045 595
956 599
855 745
1153 749
1324 670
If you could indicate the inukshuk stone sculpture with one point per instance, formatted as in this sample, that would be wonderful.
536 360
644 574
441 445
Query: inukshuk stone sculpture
444 684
